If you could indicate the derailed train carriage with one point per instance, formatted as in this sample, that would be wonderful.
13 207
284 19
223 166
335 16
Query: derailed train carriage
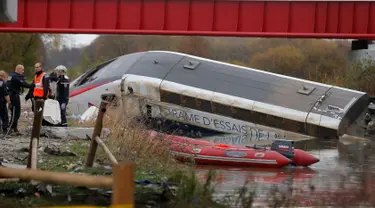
227 98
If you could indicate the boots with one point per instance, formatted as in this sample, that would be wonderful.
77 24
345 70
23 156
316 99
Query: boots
15 132
5 133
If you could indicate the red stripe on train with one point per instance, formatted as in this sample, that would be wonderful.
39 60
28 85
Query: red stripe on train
80 91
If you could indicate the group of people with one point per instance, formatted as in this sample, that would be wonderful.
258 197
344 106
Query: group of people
12 86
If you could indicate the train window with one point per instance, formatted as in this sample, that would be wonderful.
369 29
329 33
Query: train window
203 105
188 101
110 70
89 76
191 65
118 68
221 109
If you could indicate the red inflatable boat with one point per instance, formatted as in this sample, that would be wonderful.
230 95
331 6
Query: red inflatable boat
204 152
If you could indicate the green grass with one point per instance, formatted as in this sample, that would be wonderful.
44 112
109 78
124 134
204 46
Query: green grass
189 187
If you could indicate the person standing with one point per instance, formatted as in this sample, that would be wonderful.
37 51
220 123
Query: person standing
62 91
41 81
4 99
16 82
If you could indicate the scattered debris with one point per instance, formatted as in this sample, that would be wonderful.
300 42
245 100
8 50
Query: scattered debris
53 150
43 188
89 114
349 139
11 165
354 148
68 132
51 111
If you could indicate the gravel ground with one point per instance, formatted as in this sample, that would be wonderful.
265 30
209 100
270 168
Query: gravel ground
13 149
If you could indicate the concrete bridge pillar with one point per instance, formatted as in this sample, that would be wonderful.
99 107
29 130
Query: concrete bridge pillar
361 49
8 11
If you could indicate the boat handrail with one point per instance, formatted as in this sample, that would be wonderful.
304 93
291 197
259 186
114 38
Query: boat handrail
212 145
218 146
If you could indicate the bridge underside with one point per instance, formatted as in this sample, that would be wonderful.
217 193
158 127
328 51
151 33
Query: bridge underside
308 19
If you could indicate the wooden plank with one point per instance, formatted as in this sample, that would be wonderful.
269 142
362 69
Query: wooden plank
123 188
106 150
97 131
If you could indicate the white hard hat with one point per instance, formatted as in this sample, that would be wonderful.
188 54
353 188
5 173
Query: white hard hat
61 68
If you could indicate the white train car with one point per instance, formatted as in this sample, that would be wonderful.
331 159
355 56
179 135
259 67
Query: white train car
220 96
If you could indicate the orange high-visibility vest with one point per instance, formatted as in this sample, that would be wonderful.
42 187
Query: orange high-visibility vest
38 89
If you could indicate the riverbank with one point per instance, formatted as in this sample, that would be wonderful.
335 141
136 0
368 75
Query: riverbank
159 179
155 185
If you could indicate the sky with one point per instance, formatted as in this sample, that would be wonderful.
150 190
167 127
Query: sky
75 40
80 39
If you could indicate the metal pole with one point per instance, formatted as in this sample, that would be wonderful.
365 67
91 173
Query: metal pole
97 131
34 141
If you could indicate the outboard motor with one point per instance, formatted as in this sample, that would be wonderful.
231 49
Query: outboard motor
284 147
371 108
369 119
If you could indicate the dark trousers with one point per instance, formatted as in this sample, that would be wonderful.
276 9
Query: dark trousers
63 111
4 115
16 109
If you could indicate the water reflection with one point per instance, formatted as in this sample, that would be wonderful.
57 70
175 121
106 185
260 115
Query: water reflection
237 176
345 173
262 138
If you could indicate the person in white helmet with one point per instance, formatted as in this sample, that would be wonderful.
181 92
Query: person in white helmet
62 91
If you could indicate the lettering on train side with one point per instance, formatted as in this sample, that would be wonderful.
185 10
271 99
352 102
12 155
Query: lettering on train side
220 124
207 121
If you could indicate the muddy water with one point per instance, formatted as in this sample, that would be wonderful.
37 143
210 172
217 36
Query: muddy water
336 179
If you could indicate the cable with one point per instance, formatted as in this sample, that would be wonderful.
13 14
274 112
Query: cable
11 123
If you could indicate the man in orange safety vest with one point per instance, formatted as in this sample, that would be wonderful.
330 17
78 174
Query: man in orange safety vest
41 82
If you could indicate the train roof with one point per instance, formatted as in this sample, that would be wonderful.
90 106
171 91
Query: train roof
243 82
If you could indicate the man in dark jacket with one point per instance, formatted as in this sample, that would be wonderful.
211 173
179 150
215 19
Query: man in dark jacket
16 82
62 91
4 99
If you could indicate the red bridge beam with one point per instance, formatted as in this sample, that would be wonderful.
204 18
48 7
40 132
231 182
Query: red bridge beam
297 19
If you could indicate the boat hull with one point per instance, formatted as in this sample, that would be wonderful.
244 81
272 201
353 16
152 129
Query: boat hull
208 153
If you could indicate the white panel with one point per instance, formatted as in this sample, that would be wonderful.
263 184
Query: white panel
314 118
233 101
329 122
224 99
280 111
143 86
187 90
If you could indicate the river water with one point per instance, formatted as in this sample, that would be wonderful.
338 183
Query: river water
344 175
